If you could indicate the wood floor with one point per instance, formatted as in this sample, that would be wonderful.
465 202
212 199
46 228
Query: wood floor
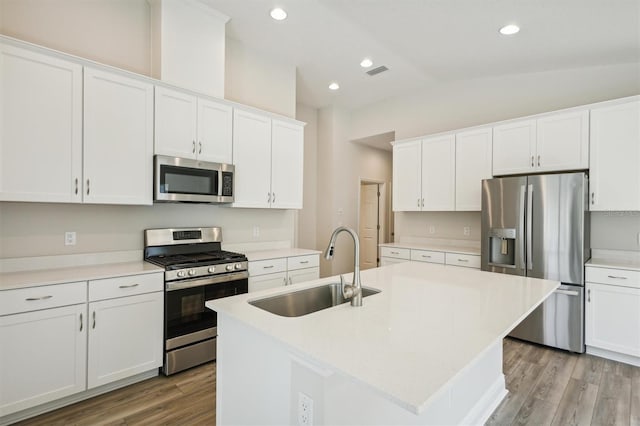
546 387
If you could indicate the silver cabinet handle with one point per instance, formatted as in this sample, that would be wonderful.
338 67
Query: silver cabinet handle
422 202
269 197
589 295
418 202
199 147
193 147
394 252
532 163
129 286
428 257
567 292
463 260
76 186
267 267
81 324
285 281
87 186
94 320
290 282
593 195
273 200
538 161
304 261
616 278
31 299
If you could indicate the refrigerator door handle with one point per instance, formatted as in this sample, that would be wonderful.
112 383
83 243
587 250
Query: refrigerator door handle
521 224
529 236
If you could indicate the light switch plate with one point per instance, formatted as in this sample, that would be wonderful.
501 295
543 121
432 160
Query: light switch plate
69 238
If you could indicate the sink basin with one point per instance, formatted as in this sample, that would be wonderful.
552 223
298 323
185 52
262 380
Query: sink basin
303 302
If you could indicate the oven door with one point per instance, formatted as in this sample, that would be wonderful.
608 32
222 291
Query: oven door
187 320
186 180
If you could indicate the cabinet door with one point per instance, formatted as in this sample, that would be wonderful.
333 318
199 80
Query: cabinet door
563 142
215 122
118 139
613 318
287 161
514 148
614 158
252 159
407 191
263 282
40 127
438 173
175 123
473 163
125 337
42 356
303 275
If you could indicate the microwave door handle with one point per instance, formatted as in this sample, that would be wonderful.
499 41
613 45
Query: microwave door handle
220 179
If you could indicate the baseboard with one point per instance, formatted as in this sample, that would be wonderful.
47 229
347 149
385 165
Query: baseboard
614 356
72 399
486 405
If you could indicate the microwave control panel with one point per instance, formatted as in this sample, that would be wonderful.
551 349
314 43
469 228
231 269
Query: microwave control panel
227 184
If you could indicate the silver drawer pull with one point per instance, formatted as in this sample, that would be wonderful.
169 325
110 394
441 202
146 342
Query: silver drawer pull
617 278
81 324
395 252
129 286
426 257
94 320
463 260
267 267
304 261
31 299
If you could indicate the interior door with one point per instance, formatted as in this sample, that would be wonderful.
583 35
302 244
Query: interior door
368 231
555 249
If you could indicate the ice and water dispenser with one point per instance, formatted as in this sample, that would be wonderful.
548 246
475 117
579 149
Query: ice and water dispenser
502 247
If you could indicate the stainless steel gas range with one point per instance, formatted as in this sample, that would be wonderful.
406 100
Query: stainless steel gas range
196 270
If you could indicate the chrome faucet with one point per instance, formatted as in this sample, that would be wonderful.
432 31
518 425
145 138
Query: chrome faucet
353 291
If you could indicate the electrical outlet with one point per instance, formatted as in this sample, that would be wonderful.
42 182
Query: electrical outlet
69 238
467 230
256 231
432 229
305 410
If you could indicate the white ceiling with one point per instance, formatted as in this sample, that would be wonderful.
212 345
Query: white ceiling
425 42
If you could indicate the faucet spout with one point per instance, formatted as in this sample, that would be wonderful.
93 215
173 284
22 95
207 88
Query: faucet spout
353 291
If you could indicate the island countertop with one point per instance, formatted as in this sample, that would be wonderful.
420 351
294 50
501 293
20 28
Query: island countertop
407 342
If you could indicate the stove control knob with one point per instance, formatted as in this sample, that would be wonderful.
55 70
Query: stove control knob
229 267
181 274
211 269
238 266
192 272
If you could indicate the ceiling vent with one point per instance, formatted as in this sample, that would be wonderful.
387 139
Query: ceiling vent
377 70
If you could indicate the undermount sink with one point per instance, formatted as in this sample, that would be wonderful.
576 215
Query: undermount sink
303 302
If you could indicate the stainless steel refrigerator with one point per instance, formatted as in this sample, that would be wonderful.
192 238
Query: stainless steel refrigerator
538 226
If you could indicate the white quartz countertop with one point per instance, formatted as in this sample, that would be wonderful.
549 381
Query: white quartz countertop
632 265
278 253
435 247
23 279
426 325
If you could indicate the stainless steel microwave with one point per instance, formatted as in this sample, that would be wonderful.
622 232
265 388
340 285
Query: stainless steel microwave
186 180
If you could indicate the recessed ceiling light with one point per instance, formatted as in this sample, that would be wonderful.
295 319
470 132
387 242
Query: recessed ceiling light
366 63
278 14
334 86
509 29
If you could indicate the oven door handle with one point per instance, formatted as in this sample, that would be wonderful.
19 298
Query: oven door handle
199 282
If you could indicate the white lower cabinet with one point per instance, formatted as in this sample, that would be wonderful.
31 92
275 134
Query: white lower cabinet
283 271
42 356
612 313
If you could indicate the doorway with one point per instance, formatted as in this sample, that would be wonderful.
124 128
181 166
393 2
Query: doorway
369 223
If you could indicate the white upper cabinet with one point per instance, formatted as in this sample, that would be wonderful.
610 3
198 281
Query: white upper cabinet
269 159
287 162
438 173
473 163
118 139
252 159
552 143
40 127
191 127
407 175
514 147
615 157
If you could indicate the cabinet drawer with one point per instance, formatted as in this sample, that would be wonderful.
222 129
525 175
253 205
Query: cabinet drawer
269 266
125 286
302 262
427 256
466 260
42 297
621 277
397 253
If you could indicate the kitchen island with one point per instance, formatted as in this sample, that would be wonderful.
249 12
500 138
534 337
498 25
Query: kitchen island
427 349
